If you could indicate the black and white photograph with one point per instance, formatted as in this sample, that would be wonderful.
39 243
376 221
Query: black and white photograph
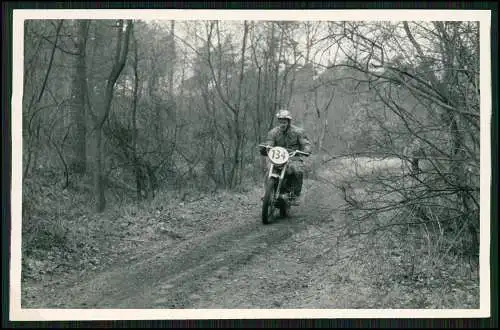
206 164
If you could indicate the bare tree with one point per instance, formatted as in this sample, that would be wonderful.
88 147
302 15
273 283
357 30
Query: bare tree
121 51
235 109
78 159
431 96
34 107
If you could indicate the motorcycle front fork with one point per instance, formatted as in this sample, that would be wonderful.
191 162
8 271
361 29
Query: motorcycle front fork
280 178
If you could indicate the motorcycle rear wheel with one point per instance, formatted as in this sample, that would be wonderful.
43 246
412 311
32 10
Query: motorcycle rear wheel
284 204
268 204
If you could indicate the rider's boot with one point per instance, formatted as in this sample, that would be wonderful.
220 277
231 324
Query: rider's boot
297 189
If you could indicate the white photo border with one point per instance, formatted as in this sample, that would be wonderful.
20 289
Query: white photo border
20 15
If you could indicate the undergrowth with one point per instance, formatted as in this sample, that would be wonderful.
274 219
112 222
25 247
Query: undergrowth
62 233
422 250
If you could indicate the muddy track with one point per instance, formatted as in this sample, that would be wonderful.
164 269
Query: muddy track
219 257
177 276
184 270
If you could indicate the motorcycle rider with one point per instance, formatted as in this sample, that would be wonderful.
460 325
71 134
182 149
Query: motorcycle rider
292 137
414 152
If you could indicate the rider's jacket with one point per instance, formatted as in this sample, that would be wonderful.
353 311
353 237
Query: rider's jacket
293 138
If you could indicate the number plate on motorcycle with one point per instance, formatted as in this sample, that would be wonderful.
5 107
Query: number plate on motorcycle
278 155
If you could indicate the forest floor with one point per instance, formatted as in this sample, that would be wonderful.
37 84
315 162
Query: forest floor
213 252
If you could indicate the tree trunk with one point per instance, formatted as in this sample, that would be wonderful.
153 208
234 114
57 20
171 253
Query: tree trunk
98 175
137 169
172 60
238 154
77 161
118 64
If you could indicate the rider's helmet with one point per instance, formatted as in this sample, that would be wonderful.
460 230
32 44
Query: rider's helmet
284 114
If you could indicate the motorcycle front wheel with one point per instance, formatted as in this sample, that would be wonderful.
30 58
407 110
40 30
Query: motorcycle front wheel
268 207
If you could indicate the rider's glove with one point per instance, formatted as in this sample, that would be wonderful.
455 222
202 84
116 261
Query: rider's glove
263 151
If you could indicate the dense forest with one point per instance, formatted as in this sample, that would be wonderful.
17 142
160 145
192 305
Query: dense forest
129 108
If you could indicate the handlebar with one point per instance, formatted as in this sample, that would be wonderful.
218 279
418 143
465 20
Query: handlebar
291 151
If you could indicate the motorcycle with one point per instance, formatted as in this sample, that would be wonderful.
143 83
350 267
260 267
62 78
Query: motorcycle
277 189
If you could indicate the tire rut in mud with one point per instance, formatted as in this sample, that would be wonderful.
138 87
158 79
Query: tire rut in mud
176 291
181 270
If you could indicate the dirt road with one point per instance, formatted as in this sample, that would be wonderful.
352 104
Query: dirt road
236 263
222 256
